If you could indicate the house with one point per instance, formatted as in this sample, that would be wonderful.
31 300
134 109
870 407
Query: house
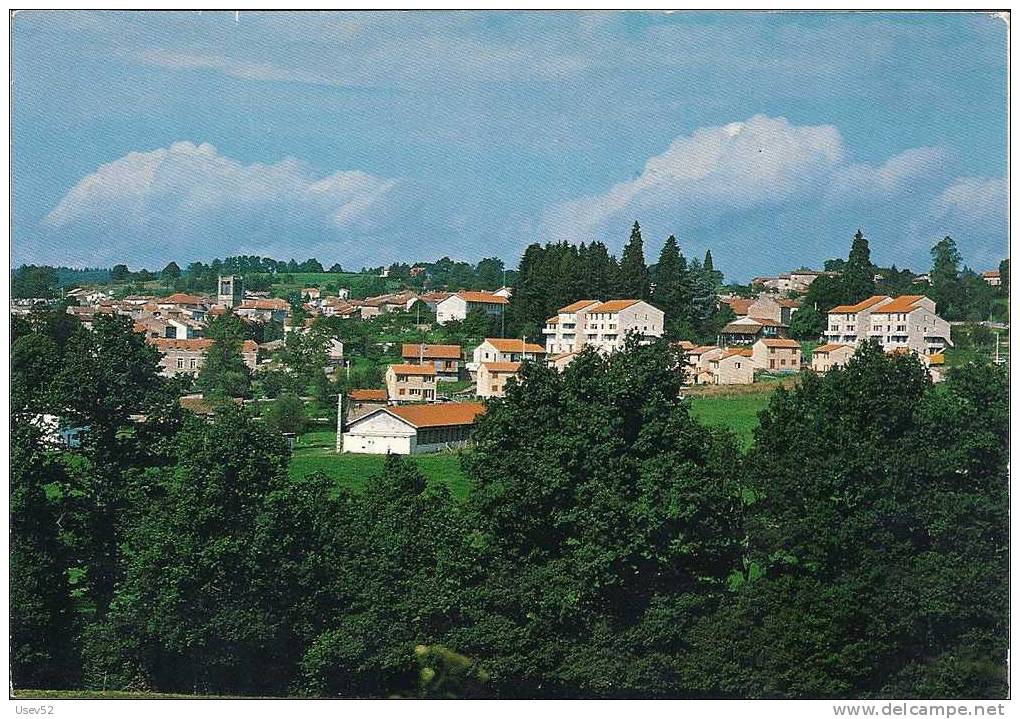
748 330
497 349
457 306
264 311
193 306
359 403
698 357
559 362
410 383
504 292
776 355
446 359
909 322
310 293
825 357
732 366
607 325
564 332
765 306
432 299
492 378
413 429
849 324
992 278
188 356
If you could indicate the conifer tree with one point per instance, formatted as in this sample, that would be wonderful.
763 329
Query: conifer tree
634 281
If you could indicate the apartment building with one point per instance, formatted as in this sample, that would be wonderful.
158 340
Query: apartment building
607 325
564 332
776 355
909 322
410 383
850 324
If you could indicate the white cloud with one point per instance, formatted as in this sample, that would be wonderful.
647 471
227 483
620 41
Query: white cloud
765 193
189 201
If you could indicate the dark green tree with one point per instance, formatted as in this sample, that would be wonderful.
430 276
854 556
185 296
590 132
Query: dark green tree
224 373
171 272
633 280
858 275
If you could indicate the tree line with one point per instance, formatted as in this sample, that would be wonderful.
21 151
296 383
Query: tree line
610 546
558 274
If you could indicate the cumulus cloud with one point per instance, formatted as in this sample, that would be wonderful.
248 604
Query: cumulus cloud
765 193
189 201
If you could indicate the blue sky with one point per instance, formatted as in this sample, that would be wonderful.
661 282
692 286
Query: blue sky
367 138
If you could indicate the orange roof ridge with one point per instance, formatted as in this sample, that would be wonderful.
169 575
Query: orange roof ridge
575 306
438 415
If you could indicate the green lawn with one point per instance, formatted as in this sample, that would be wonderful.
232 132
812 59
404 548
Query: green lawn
736 412
316 452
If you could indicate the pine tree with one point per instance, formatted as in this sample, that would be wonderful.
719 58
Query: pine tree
634 281
672 290
714 276
858 279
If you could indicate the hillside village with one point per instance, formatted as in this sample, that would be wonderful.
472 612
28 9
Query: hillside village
423 396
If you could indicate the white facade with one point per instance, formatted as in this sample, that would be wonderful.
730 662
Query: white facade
603 325
456 307
380 432
849 324
908 322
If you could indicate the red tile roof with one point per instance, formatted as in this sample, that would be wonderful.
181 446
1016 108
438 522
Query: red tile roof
826 348
414 351
787 344
903 303
860 306
612 306
368 395
181 298
439 415
503 344
502 367
486 298
413 369
575 306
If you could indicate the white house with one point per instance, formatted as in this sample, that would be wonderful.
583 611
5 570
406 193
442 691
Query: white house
825 357
457 306
501 349
412 429
907 322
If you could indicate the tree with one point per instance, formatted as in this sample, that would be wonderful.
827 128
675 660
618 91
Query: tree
32 281
1004 277
807 323
633 279
946 288
287 414
170 272
336 267
673 293
710 271
224 373
119 273
858 275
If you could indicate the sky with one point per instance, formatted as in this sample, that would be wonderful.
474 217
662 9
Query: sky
375 137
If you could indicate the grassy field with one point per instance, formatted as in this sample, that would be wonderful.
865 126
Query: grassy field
316 452
736 412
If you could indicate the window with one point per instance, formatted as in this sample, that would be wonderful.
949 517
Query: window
180 363
400 392
194 363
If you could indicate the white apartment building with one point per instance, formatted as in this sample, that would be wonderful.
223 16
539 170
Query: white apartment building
907 322
850 324
561 331
603 325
